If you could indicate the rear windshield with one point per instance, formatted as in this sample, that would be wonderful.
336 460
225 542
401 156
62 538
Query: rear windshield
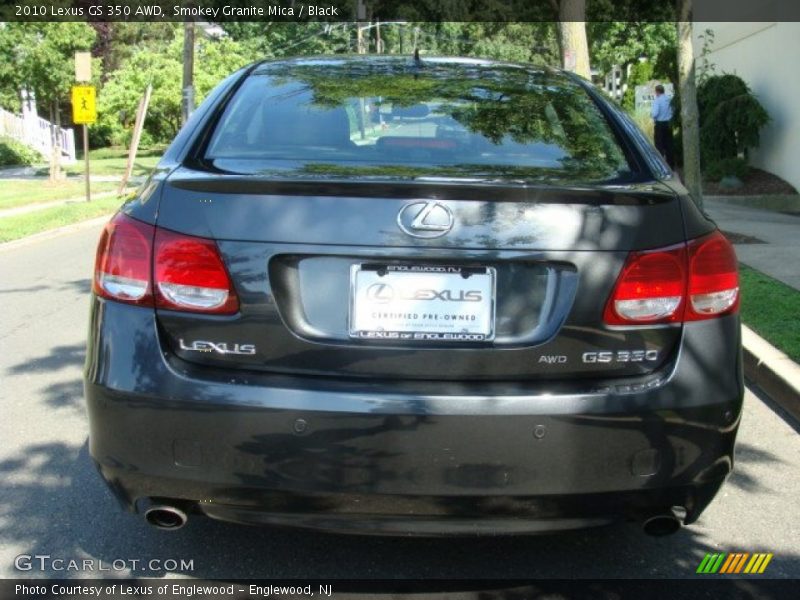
352 119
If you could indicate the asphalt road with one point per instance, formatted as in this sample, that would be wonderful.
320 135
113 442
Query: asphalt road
52 502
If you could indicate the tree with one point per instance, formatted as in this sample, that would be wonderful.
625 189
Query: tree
690 119
159 64
42 55
622 43
572 36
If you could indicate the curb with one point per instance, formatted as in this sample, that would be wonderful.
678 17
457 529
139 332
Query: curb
51 233
769 202
772 371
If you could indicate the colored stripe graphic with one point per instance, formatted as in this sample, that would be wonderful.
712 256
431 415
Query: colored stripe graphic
758 563
727 565
711 563
745 556
734 563
730 564
765 563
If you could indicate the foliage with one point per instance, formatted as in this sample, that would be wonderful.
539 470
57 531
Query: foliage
40 57
705 68
278 40
619 43
525 42
730 118
641 73
161 67
130 55
12 153
726 167
666 65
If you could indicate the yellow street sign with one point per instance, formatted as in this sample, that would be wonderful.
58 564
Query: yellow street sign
84 108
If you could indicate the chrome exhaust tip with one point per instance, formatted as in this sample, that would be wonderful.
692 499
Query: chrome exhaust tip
164 516
664 523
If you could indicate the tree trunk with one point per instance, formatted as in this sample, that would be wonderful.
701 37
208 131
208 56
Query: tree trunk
55 147
572 37
188 70
690 119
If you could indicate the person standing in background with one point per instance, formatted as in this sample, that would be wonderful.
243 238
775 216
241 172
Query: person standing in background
662 116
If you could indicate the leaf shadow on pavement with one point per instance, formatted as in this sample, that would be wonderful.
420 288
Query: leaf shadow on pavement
61 368
54 503
747 457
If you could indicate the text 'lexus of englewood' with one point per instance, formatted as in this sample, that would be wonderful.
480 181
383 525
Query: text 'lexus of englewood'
430 297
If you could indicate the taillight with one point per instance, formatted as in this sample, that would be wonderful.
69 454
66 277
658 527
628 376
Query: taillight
690 282
713 278
190 275
650 288
140 264
122 265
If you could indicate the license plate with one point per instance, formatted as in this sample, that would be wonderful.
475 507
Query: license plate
422 303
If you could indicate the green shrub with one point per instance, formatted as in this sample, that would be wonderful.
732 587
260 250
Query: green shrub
726 167
730 118
641 73
13 153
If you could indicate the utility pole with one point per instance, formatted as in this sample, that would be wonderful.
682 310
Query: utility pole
188 70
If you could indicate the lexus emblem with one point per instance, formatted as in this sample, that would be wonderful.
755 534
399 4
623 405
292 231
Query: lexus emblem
380 293
425 219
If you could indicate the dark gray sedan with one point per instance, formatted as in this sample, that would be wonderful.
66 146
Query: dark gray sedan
397 296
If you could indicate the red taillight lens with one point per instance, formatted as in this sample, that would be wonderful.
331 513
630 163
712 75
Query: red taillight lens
650 288
654 285
190 275
122 265
188 271
713 278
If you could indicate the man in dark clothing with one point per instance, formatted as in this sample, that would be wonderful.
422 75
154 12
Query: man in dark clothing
662 117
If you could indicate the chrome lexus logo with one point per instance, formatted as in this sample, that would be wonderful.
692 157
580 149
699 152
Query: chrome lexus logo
380 293
425 219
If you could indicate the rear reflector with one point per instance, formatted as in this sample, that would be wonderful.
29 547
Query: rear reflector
653 286
188 271
122 265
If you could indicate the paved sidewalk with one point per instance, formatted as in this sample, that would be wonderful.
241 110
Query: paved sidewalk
29 208
779 256
31 173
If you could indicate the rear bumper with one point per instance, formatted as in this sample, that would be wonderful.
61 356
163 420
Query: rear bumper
418 458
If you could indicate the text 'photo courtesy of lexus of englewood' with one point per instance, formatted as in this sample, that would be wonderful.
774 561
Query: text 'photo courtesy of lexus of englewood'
413 297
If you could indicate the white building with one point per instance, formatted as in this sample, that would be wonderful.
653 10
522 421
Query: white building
767 57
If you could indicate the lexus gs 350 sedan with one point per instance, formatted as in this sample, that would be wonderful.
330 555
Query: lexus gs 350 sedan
413 297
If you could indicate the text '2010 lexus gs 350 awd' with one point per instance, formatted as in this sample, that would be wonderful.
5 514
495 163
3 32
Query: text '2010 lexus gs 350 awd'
397 296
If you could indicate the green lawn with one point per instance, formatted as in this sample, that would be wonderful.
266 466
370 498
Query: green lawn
771 309
112 161
19 192
12 228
